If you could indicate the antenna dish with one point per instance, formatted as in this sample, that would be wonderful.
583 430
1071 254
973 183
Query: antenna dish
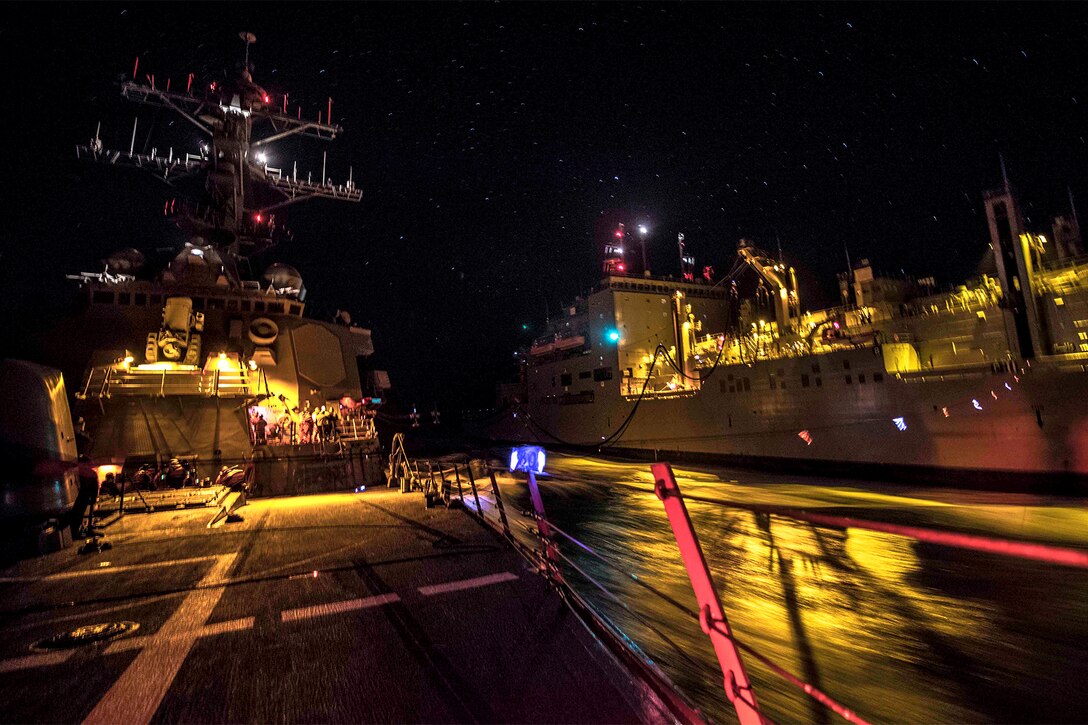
248 37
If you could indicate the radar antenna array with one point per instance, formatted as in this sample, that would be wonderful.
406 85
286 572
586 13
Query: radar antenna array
241 188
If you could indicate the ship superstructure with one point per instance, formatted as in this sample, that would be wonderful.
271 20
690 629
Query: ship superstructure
197 361
987 378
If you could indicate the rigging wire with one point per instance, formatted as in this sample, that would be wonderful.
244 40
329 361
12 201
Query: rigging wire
606 441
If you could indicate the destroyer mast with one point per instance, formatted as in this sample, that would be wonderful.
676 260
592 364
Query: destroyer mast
208 334
238 192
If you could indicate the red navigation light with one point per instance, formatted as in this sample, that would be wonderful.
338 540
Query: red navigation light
620 267
257 217
266 99
619 234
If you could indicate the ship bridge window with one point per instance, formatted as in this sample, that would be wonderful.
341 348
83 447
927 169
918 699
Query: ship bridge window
156 300
566 379
246 305
141 299
845 364
124 298
585 375
849 379
258 306
861 377
819 382
198 303
816 368
102 297
602 374
747 385
215 303
275 307
878 377
804 380
232 304
774 385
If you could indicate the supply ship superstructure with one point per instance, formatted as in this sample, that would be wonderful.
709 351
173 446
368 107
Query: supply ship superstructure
985 381
197 361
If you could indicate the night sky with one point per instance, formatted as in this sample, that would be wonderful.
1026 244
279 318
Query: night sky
494 141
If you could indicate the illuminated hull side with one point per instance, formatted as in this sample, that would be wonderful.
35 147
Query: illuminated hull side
849 413
258 356
905 381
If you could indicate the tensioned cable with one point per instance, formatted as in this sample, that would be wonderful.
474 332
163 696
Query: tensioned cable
1049 553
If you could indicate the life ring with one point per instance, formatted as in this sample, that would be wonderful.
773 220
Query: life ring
263 331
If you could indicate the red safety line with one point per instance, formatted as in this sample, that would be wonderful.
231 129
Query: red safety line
1019 549
808 689
738 687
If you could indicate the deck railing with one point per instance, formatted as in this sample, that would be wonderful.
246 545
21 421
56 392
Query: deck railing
107 381
445 482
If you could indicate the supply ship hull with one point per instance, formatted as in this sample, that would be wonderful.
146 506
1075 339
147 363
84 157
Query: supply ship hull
1036 431
972 383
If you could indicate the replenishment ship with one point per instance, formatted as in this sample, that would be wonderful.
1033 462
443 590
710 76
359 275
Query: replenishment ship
984 382
202 362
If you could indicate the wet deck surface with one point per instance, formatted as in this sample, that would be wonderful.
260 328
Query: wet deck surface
340 607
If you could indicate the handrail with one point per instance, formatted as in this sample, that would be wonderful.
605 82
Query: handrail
1049 553
549 555
738 688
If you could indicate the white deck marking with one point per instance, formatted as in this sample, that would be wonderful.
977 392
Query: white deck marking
137 693
43 660
480 581
102 570
208 630
349 605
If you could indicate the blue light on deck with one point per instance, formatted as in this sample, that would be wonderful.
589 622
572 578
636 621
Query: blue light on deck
529 459
613 335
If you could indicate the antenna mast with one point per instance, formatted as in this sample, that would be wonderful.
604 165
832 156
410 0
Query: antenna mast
249 38
241 188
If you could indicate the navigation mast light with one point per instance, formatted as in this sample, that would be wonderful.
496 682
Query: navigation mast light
529 459
642 232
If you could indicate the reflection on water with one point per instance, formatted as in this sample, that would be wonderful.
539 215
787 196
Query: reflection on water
899 630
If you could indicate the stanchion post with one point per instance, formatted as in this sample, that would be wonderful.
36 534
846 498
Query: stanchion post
738 688
460 489
498 500
475 495
551 553
446 489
